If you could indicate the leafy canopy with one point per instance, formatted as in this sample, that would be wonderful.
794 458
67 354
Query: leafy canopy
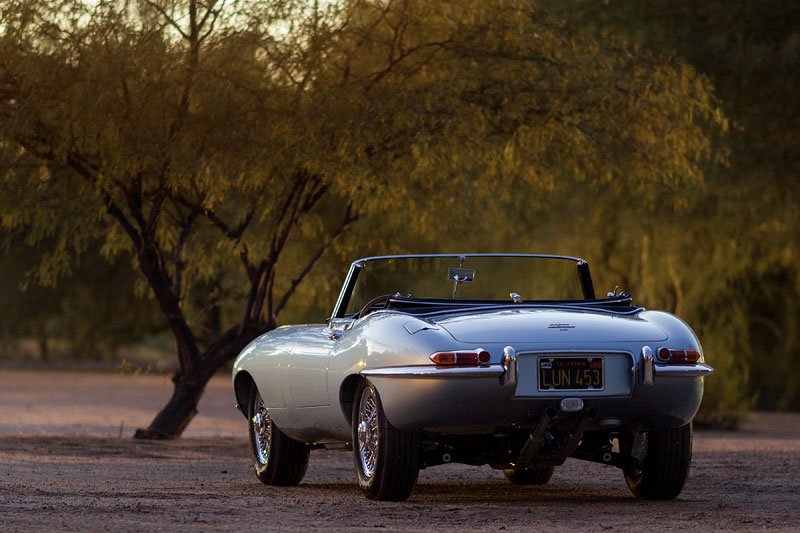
726 261
226 146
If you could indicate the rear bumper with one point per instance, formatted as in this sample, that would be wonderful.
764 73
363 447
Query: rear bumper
498 371
435 372
689 371
484 399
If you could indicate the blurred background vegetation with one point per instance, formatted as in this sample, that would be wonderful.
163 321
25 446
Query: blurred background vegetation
720 252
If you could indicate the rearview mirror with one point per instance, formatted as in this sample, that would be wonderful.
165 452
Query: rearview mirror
461 275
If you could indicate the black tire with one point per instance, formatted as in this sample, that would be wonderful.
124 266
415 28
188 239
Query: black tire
537 475
389 467
284 460
663 472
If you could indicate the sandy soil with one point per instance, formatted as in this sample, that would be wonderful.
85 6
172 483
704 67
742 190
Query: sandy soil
67 463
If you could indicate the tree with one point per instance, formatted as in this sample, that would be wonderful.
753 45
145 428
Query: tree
732 246
226 147
91 317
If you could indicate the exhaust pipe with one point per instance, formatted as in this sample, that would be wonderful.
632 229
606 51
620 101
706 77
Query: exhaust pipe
574 436
531 447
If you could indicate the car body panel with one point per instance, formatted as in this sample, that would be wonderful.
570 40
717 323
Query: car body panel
304 372
267 361
308 366
547 325
307 405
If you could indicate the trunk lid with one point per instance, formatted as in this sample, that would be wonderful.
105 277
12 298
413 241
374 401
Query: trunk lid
549 325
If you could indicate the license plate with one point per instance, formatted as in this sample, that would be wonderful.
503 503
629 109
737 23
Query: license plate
570 373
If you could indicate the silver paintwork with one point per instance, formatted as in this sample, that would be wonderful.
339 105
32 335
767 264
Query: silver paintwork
305 372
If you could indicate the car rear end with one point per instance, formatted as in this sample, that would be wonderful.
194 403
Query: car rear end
644 371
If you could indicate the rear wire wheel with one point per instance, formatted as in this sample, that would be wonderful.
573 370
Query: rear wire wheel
386 458
663 472
277 459
536 475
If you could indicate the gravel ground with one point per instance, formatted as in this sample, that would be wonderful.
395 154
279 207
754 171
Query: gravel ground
67 463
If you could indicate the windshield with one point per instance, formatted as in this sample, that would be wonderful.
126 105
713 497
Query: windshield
467 278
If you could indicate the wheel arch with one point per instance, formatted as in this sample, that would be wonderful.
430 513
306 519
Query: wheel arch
243 383
347 393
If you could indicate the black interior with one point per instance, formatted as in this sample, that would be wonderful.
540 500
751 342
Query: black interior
430 306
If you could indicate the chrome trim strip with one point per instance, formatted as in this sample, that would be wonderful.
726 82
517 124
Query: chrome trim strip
577 306
344 294
424 256
688 371
579 353
433 372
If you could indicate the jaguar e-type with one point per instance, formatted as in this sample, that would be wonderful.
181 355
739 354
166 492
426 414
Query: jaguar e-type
508 360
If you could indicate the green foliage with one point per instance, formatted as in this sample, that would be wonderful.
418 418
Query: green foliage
227 146
727 259
380 103
90 317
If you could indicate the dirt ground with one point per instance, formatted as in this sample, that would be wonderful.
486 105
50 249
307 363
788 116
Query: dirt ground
68 463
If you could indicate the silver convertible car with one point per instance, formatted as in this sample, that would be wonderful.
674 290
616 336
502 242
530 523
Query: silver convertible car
501 359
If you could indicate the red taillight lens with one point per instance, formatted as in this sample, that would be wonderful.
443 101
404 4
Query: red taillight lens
467 357
678 356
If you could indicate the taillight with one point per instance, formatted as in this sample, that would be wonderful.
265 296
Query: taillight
462 357
678 356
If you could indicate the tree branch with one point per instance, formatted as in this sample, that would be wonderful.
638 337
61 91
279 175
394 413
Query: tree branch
349 218
287 215
179 263
255 299
83 170
209 11
171 21
155 211
232 233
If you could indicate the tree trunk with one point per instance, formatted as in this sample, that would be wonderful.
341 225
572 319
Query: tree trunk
173 418
42 339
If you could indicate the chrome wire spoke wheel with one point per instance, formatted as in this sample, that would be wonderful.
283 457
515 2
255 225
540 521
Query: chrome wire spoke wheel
368 432
262 430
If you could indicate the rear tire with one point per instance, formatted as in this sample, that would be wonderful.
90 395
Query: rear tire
386 458
663 472
277 459
536 475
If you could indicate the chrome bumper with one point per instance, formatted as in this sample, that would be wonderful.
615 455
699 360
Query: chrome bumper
687 371
434 372
498 371
480 399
